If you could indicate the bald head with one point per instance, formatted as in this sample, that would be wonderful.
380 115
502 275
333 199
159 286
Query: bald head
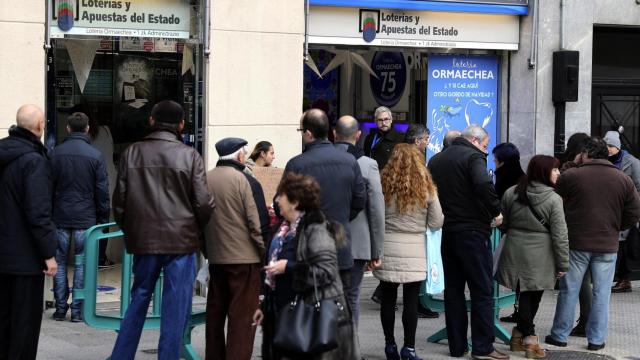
450 136
347 130
31 117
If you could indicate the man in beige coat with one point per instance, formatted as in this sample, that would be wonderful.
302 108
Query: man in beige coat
235 243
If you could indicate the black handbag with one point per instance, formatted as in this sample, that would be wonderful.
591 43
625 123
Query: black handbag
308 328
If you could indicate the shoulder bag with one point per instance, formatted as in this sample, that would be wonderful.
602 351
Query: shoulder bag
308 328
540 219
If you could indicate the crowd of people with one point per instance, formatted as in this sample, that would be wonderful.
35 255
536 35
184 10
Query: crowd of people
339 210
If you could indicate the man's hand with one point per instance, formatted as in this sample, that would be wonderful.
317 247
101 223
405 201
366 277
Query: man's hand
52 267
373 264
560 274
497 221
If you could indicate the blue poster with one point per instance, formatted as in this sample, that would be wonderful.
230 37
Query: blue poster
388 85
462 90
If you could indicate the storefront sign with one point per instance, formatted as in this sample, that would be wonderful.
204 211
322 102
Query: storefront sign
388 85
353 26
462 90
503 2
140 18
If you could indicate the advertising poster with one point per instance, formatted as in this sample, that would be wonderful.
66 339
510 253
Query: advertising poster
322 93
388 85
132 101
462 90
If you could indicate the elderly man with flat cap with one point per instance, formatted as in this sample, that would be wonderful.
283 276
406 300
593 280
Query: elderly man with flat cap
235 245
162 204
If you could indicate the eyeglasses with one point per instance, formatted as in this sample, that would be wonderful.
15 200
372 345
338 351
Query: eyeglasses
300 130
385 120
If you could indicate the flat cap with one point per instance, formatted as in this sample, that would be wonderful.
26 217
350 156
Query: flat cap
229 145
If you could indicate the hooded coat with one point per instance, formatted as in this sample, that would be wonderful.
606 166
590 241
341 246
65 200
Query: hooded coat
532 254
28 235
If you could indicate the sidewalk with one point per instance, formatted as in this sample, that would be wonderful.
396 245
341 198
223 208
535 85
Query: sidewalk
69 341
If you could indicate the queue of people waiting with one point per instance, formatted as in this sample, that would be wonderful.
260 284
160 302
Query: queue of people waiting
295 267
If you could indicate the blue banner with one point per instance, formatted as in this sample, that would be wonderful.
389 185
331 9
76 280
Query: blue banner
462 90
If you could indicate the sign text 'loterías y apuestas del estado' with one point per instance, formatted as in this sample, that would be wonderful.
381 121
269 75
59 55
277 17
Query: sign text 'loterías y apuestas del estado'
148 18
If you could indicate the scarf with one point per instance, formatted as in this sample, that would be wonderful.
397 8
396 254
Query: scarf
286 233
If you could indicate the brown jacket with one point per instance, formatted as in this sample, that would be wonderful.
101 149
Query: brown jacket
237 229
599 201
161 200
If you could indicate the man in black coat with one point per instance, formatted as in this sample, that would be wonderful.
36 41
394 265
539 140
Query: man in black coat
28 237
81 201
342 189
380 141
469 203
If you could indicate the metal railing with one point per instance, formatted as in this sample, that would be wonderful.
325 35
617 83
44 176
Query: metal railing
112 322
500 300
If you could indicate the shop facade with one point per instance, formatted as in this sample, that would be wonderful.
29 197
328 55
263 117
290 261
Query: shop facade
249 71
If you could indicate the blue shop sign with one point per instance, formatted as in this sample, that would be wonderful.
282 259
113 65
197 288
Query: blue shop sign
510 7
462 90
388 85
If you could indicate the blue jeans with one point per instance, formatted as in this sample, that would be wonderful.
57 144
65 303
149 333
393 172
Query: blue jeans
60 284
177 296
602 266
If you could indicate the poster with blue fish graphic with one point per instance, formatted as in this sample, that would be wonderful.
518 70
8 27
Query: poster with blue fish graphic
462 90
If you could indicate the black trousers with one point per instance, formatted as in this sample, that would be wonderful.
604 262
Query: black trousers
622 268
409 310
20 316
467 260
528 307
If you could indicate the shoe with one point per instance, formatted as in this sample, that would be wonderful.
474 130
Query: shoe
578 331
408 353
621 286
76 318
426 313
513 318
515 344
495 355
532 349
594 347
391 351
551 341
59 316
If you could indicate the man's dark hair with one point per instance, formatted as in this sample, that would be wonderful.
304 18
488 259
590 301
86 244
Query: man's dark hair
317 122
78 122
574 146
167 112
414 132
506 153
595 148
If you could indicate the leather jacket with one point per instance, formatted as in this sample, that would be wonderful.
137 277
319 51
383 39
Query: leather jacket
161 200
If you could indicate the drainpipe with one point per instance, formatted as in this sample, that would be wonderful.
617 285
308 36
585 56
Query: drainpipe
534 37
563 6
207 16
47 25
306 28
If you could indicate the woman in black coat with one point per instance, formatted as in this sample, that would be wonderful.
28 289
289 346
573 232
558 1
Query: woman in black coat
304 244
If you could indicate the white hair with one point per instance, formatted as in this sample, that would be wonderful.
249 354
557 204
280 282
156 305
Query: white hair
475 132
382 110
234 155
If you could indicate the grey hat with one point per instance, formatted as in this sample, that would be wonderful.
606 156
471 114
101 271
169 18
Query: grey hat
612 138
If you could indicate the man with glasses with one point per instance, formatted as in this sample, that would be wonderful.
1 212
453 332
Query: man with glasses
381 140
469 203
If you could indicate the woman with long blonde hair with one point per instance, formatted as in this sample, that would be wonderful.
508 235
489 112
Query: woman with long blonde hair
411 205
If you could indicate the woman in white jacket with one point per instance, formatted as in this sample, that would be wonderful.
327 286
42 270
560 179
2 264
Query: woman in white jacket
411 205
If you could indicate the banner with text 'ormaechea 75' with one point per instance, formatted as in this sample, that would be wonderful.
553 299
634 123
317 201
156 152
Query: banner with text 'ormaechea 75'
462 90
138 18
